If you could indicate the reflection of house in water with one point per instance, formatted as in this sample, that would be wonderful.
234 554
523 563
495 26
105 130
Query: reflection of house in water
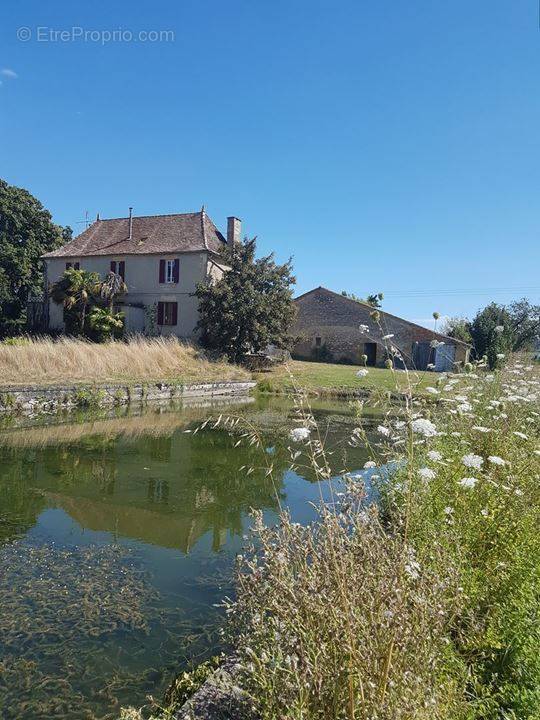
167 490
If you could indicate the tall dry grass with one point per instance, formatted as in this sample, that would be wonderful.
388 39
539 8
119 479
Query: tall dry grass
45 361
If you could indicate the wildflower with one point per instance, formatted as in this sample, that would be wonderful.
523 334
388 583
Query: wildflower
427 473
436 343
387 337
432 390
299 434
500 356
424 427
363 328
484 512
383 430
473 461
481 428
362 373
455 434
448 510
499 329
434 455
369 464
496 460
468 482
520 435
430 366
537 452
465 407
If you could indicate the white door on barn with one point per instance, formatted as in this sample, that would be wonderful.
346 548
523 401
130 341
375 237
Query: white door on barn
444 358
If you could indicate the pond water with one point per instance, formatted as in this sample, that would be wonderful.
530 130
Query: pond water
118 534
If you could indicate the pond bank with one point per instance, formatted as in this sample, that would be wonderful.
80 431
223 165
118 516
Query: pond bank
32 399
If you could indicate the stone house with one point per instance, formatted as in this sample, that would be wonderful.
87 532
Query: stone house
161 258
335 328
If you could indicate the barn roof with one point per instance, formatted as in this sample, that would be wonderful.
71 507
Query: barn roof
185 232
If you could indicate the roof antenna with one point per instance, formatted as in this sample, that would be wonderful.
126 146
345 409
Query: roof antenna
86 222
130 223
97 218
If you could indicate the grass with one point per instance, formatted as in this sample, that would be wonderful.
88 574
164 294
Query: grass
44 361
328 378
426 605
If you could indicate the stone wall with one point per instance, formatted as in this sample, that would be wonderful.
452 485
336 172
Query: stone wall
35 399
331 321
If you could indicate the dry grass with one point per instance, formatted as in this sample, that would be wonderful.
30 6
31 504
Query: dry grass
44 361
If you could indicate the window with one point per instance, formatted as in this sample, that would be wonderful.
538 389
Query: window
119 268
75 266
167 313
169 271
317 342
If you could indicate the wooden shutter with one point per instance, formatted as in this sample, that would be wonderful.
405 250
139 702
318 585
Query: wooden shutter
174 313
113 266
122 269
176 271
160 313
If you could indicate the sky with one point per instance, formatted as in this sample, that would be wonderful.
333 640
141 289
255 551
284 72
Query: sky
387 146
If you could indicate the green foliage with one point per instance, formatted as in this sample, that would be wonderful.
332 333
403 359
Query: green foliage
188 682
458 328
87 398
26 233
88 303
104 324
250 307
492 334
322 354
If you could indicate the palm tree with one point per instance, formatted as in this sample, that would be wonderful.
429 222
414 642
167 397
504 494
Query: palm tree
111 288
74 291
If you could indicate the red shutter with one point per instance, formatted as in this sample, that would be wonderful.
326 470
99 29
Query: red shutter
176 272
174 314
162 271
113 266
160 313
122 269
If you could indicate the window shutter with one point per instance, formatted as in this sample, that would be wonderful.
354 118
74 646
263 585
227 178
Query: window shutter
176 270
174 314
160 313
77 266
162 271
68 265
113 266
122 269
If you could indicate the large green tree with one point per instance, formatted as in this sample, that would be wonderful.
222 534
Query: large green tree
250 307
26 232
492 333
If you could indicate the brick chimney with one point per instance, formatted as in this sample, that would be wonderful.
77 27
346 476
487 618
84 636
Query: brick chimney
234 230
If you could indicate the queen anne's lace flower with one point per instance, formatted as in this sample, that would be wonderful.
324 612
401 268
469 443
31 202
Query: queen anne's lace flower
468 482
521 435
496 460
370 464
427 473
473 461
383 430
362 373
299 434
424 427
434 455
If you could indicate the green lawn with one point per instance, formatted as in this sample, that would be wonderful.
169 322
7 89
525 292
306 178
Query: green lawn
338 379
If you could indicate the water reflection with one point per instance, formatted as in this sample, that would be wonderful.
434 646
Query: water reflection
175 502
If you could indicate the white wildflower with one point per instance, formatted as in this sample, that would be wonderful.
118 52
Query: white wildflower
424 427
387 337
427 473
496 460
468 482
369 464
465 407
521 435
434 455
484 512
383 430
432 390
362 373
499 329
500 356
448 510
363 328
473 461
481 428
299 434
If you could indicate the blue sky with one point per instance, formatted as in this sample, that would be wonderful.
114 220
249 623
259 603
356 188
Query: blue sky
386 145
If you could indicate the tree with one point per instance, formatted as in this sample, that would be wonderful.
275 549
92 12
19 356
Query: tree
75 291
458 328
104 324
525 322
250 307
26 233
492 333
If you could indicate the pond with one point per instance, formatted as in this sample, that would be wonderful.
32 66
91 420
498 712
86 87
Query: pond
118 533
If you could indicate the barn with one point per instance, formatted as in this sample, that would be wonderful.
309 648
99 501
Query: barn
334 328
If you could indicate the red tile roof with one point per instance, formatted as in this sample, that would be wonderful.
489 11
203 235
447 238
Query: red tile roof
186 232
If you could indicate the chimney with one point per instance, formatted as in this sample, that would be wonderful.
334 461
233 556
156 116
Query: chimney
130 223
234 231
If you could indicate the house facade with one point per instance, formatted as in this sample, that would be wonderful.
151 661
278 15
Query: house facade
335 328
162 259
